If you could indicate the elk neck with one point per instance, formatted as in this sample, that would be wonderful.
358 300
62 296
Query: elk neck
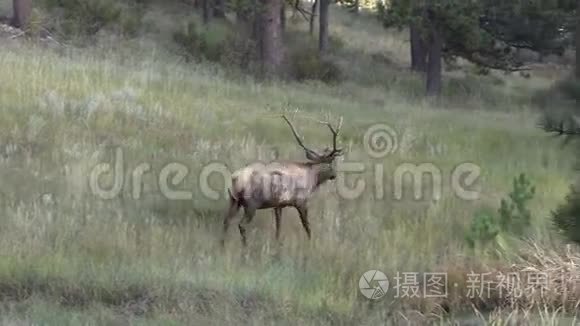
319 173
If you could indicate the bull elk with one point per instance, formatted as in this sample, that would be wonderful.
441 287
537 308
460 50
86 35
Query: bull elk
279 184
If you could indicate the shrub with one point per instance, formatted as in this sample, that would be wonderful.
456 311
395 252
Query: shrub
570 88
188 39
481 70
213 41
483 230
513 216
335 43
219 42
240 51
566 217
309 65
87 17
563 94
208 43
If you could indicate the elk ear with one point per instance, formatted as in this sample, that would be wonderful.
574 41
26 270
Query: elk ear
311 156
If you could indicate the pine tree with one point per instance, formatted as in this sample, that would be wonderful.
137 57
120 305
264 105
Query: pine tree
481 31
566 218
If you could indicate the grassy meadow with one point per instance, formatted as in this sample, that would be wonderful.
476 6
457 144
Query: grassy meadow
69 257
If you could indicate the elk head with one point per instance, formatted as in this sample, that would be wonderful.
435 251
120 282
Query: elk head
282 184
323 162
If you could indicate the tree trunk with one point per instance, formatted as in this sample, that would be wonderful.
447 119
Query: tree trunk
578 39
271 37
219 8
283 16
22 10
257 33
314 8
323 26
356 6
433 76
206 10
418 50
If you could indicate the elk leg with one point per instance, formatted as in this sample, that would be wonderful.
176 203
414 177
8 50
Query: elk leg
232 211
278 218
249 213
303 212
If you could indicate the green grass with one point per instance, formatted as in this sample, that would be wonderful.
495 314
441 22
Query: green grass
80 259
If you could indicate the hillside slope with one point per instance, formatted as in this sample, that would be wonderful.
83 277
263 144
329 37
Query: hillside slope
69 256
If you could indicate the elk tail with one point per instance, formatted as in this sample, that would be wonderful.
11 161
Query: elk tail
233 198
233 194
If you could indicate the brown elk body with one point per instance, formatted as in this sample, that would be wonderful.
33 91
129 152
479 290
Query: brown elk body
279 184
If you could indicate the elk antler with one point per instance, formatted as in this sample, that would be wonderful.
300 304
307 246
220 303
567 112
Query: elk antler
335 132
310 154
